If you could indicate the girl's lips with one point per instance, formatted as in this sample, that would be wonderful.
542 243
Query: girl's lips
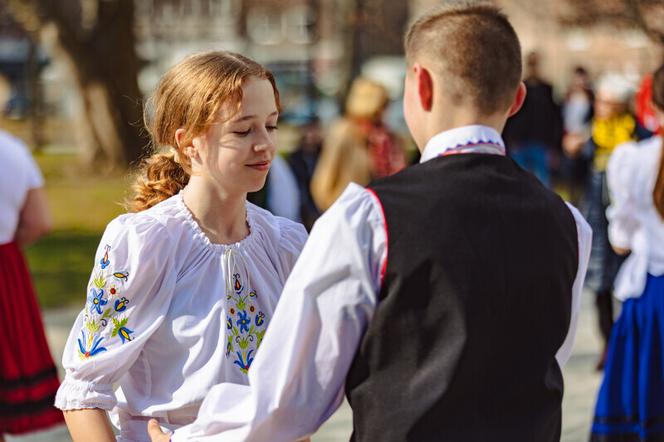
261 165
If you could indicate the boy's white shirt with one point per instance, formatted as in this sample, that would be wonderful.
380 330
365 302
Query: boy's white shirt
297 380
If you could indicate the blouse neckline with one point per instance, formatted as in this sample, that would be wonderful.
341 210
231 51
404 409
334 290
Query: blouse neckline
202 236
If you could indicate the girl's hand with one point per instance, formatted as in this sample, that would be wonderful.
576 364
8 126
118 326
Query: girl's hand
155 433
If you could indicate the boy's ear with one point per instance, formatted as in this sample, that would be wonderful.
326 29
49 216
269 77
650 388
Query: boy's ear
424 83
519 98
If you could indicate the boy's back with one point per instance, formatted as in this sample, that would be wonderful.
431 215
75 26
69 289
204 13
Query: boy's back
474 305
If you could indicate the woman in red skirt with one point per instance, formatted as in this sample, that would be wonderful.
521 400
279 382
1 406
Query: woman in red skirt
28 377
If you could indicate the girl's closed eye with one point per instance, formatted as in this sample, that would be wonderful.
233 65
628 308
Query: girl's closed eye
242 133
271 127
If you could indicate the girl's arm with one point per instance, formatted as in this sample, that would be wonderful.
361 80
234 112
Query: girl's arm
89 424
35 218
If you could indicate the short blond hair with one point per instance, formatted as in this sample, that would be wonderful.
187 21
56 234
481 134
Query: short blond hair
474 48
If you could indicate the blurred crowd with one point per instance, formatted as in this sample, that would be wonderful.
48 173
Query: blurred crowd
565 142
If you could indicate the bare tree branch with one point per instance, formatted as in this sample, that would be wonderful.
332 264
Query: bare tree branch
645 15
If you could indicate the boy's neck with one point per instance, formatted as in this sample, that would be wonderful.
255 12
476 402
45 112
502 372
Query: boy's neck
443 121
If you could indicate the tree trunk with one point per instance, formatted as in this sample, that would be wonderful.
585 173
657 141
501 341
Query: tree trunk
100 50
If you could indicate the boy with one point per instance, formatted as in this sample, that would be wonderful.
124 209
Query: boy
442 299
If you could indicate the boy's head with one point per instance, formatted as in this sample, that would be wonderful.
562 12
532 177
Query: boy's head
464 67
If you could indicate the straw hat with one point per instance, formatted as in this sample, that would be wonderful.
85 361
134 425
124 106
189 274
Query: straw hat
366 99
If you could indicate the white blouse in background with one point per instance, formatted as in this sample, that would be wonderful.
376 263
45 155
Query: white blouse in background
634 222
18 175
170 314
297 380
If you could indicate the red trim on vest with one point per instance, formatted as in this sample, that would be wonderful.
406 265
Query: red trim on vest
383 268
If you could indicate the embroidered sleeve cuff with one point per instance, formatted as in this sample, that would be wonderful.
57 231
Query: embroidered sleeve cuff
76 395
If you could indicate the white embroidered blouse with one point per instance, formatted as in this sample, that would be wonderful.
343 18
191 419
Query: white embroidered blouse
170 314
634 223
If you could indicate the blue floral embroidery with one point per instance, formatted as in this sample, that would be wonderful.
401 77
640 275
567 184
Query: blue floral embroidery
97 301
244 364
104 261
121 304
243 322
93 344
104 282
124 334
120 329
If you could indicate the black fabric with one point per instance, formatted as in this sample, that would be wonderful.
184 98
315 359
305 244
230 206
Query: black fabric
538 121
28 381
475 303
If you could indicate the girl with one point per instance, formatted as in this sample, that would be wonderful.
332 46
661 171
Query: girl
182 290
28 377
630 405
612 124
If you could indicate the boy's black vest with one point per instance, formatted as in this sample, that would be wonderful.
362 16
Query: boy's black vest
475 302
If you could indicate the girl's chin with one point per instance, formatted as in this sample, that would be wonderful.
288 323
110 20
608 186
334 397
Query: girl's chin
255 187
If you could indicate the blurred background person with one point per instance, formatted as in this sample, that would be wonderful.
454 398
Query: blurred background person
533 134
577 113
644 109
28 376
359 146
611 125
280 194
303 162
630 404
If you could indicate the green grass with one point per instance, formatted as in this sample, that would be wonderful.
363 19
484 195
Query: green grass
81 205
60 265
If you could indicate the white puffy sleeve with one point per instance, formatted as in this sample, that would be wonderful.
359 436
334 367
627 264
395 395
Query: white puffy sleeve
128 295
584 236
621 171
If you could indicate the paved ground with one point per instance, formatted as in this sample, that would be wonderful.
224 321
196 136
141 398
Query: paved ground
580 388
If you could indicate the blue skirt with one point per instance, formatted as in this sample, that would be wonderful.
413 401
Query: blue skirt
630 404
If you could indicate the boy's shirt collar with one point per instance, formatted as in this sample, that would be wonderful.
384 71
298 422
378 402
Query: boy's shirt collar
465 139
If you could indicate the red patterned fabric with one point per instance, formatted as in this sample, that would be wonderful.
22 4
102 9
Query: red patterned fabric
28 377
386 155
645 112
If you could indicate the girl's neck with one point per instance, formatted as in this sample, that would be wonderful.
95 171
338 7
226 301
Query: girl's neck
223 217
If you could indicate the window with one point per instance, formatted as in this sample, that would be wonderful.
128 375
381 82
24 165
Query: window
266 26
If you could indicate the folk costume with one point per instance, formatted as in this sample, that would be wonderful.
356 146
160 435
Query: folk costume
630 404
28 376
169 314
441 300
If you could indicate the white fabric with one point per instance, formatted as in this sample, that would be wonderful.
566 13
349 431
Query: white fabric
18 175
465 139
575 114
297 380
182 301
634 222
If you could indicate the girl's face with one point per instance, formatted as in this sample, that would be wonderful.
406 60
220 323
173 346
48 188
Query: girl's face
236 153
